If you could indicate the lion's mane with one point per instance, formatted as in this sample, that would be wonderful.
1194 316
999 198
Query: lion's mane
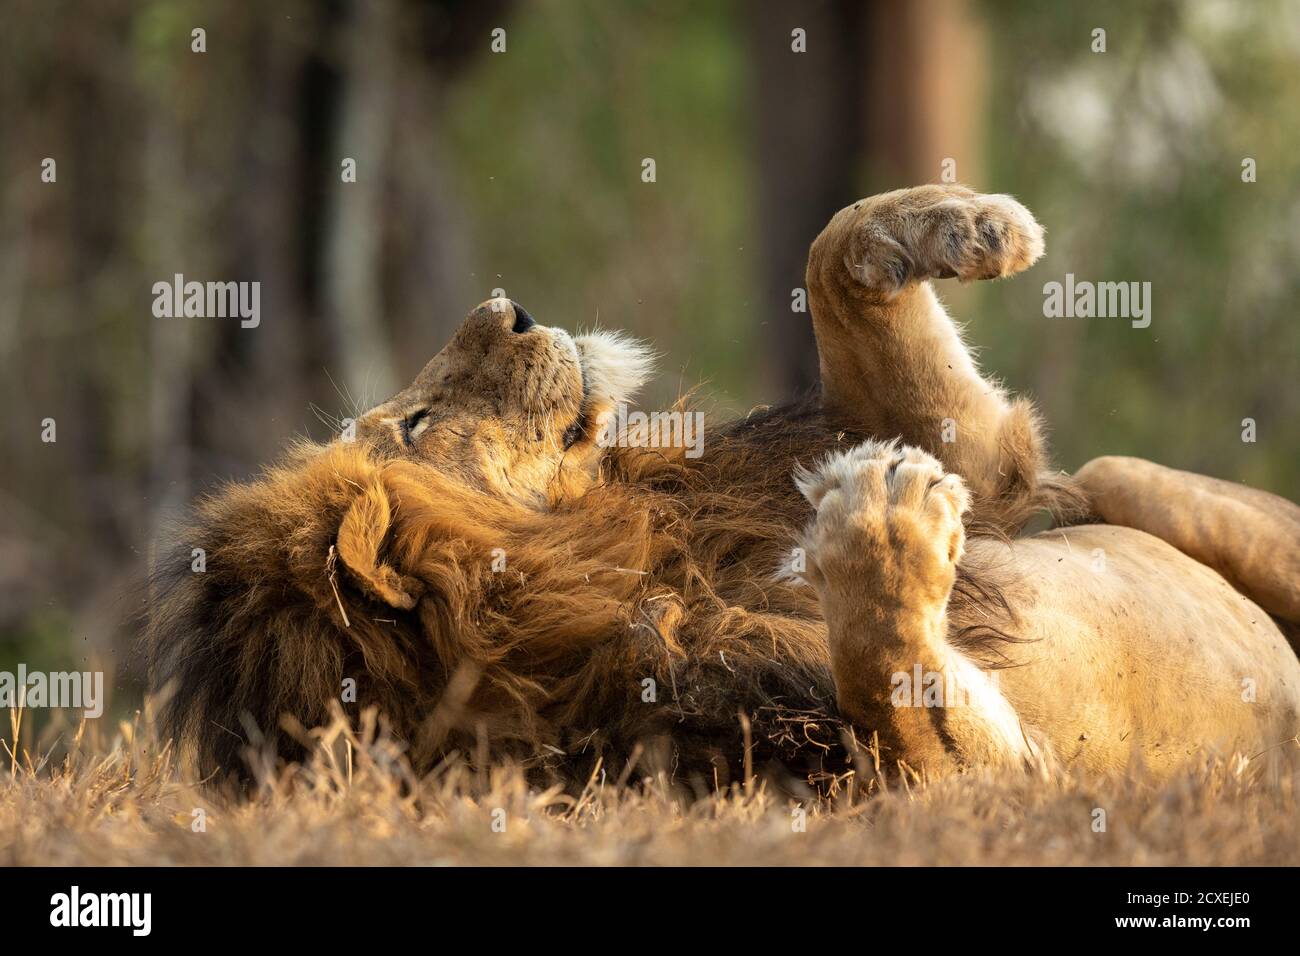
333 565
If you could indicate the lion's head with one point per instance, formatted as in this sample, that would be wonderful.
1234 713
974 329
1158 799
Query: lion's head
510 406
464 527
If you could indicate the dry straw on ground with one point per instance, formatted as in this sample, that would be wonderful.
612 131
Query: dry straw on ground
122 802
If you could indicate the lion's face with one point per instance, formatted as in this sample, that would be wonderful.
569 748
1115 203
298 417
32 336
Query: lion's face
509 404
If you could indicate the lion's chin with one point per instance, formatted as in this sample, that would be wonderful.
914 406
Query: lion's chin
614 366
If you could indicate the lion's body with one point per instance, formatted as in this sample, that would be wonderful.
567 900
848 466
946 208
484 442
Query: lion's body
1135 648
639 595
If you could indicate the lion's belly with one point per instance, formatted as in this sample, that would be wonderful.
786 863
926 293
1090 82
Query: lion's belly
1140 649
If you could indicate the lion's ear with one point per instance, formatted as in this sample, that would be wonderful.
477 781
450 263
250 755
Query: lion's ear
361 536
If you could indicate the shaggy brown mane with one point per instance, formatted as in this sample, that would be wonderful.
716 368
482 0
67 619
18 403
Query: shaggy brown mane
666 570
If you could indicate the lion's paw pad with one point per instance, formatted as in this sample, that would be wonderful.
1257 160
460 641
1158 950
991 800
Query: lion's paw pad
939 232
886 512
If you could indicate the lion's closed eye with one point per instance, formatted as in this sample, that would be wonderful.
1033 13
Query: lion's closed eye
412 425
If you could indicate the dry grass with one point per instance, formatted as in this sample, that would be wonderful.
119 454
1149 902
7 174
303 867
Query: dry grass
122 802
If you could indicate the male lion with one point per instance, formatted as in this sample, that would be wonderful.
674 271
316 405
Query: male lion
486 568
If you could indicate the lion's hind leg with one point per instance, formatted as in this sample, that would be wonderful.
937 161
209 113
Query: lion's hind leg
1249 536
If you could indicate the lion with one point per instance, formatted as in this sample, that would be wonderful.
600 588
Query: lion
496 566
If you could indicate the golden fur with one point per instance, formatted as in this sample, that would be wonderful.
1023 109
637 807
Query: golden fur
489 573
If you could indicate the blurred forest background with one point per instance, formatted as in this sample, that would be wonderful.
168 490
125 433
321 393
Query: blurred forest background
522 170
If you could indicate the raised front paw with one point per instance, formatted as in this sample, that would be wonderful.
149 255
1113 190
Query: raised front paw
929 232
888 526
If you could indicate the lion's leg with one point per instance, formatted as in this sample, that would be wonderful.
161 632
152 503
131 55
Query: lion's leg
1249 536
893 363
882 552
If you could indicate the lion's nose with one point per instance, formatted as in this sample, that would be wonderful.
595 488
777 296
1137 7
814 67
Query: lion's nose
523 321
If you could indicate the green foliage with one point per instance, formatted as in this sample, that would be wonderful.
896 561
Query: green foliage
1133 160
